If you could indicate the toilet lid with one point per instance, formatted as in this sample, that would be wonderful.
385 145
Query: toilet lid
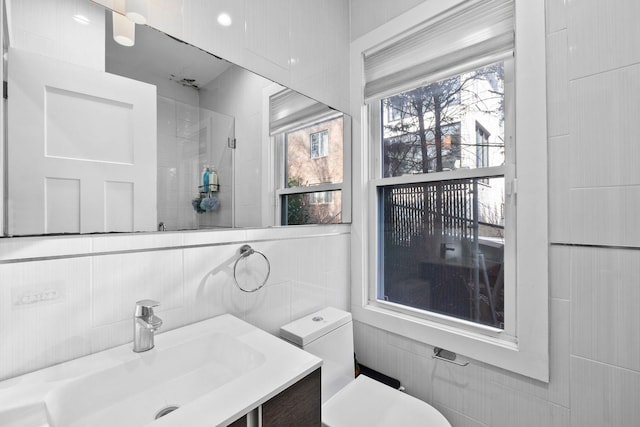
367 403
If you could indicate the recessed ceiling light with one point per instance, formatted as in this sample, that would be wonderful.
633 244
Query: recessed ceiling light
224 19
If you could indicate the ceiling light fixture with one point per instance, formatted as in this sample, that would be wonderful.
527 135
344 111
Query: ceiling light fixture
224 19
137 11
124 30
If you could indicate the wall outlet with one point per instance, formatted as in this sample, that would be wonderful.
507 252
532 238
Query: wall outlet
36 295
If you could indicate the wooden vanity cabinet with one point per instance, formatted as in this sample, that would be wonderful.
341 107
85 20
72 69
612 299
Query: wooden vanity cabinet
240 422
298 405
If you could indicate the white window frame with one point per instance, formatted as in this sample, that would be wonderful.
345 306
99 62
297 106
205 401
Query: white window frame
524 349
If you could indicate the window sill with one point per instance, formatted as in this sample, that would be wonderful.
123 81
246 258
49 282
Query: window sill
495 350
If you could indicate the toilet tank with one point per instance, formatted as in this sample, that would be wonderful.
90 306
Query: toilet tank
328 334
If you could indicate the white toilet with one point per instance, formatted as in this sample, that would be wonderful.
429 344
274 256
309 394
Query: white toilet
349 402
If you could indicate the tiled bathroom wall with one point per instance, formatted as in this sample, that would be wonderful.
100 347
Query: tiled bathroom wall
369 14
56 306
592 103
47 28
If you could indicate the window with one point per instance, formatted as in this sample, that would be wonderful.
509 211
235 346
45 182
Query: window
311 174
321 198
442 236
450 258
310 151
319 144
482 147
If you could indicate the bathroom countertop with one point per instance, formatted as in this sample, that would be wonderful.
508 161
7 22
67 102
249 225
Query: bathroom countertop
285 365
26 401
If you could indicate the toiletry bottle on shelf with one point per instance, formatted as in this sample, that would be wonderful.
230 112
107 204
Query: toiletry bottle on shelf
206 178
213 179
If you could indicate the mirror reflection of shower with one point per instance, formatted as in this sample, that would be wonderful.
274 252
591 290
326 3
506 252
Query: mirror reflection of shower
193 134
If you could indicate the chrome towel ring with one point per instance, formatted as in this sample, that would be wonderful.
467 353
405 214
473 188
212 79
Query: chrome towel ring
245 252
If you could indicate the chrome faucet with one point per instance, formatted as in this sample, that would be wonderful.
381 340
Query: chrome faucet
145 323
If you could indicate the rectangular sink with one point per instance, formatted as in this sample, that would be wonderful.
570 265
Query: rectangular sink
213 372
162 379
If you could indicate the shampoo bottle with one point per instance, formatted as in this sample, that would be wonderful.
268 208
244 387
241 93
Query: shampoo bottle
213 179
205 180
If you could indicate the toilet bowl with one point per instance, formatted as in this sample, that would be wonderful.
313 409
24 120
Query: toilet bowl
349 402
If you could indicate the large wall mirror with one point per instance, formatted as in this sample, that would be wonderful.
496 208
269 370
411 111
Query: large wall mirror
158 136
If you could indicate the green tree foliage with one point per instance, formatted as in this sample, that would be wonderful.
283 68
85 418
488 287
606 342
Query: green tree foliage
296 207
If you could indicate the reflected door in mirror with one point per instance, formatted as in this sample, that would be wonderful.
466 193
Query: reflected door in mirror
82 152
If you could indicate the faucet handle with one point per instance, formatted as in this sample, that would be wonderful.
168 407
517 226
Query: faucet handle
145 307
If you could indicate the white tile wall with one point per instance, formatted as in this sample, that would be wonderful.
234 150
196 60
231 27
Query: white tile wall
467 390
369 14
119 279
560 272
605 295
267 30
44 332
96 294
605 215
557 90
560 192
607 158
457 419
603 395
527 411
602 35
209 285
329 75
556 15
33 247
47 27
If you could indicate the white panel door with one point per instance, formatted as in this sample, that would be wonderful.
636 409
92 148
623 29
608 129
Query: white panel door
81 149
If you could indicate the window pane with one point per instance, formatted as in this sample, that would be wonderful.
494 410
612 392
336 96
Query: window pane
434 128
314 154
443 247
319 144
321 207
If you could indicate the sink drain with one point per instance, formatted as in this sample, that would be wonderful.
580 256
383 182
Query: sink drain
165 411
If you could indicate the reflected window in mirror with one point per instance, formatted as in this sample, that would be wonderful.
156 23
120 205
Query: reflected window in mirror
319 144
324 166
310 146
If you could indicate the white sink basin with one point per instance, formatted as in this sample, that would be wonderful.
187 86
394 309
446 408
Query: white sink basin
132 394
212 372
